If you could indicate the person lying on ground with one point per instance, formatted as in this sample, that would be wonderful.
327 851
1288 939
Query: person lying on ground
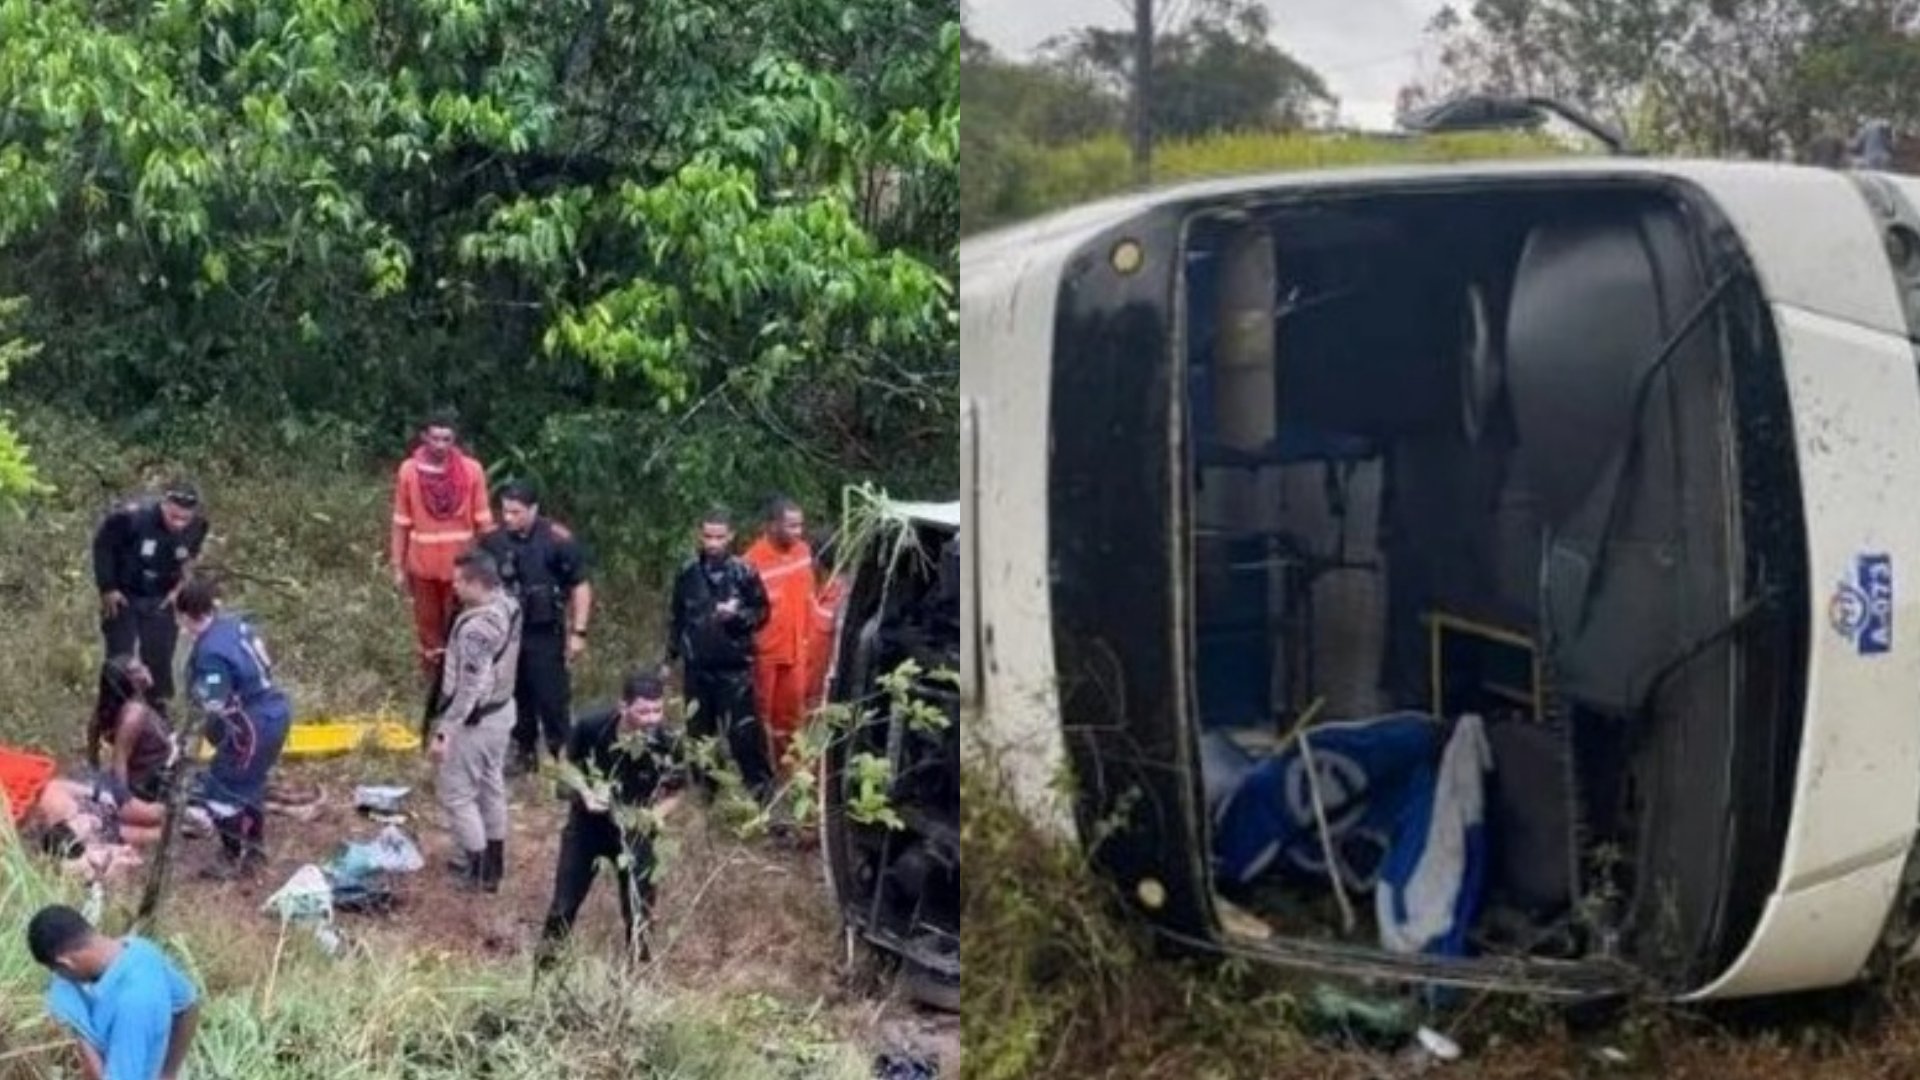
129 1008
85 834
230 679
138 737
74 822
95 816
626 769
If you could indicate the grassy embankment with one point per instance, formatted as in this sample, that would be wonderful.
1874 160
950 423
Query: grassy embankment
301 542
1009 178
1058 985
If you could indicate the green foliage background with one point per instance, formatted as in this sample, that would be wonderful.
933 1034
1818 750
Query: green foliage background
659 255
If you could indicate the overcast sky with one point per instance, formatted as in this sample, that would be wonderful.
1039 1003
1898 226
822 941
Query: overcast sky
1366 49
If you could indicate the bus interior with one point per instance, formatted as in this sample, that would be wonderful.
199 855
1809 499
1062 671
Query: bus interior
1475 573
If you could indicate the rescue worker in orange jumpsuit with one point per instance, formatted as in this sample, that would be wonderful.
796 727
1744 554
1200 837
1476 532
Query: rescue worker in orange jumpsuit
828 596
440 508
785 564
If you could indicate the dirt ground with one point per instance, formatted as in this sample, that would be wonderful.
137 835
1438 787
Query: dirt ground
734 916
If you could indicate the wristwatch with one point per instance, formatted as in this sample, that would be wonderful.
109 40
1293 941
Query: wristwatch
580 631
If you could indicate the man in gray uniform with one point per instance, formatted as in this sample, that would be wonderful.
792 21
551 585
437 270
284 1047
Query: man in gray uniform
475 718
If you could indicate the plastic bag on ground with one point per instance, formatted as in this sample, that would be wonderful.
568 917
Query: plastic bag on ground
307 894
380 798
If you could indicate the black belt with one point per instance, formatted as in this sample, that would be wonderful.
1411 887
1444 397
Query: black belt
485 711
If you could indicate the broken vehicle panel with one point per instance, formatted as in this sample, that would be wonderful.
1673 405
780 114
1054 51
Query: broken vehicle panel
1589 469
898 886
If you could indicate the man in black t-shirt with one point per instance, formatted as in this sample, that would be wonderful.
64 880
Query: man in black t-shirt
626 769
142 552
544 566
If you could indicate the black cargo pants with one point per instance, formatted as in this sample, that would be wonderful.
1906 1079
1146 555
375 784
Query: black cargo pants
587 839
722 700
542 691
146 627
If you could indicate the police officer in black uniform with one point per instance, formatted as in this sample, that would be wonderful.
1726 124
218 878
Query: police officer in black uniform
545 567
624 758
142 552
719 604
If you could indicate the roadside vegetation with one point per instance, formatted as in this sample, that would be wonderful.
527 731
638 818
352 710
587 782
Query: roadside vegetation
276 1008
1017 178
659 257
1059 984
309 569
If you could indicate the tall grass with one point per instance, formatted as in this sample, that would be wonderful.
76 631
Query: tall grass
300 1015
1025 179
300 543
1059 983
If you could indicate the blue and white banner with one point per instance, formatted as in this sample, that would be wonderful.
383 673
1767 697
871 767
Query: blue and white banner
1430 887
1363 767
1406 819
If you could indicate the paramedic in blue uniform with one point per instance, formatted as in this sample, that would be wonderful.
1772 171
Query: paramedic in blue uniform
230 679
142 551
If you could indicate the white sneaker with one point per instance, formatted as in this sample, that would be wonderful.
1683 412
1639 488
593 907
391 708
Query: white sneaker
196 822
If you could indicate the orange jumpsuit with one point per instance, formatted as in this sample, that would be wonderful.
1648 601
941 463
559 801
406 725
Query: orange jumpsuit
437 514
780 649
826 613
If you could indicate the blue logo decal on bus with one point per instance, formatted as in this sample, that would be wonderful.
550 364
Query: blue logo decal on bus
1862 608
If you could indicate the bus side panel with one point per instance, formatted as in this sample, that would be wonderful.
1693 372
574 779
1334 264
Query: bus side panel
1007 306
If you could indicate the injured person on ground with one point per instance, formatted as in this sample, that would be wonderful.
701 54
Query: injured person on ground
91 835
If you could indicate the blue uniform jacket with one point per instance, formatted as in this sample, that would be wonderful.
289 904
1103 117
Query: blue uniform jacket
231 679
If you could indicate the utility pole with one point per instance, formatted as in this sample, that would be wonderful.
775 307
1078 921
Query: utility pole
1142 121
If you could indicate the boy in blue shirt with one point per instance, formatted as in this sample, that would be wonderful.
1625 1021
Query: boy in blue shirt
131 1010
230 679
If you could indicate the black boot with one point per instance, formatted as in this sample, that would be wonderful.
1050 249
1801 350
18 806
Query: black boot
493 866
525 761
242 847
475 872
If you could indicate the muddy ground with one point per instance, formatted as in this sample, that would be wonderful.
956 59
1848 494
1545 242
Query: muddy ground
735 916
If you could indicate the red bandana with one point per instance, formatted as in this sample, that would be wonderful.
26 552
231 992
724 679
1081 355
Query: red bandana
442 488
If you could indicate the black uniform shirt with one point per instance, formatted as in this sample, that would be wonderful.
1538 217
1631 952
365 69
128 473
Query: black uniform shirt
639 766
697 634
540 569
134 553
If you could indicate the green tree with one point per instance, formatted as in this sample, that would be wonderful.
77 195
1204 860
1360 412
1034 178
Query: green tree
1217 69
1012 110
1758 79
659 254
17 477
